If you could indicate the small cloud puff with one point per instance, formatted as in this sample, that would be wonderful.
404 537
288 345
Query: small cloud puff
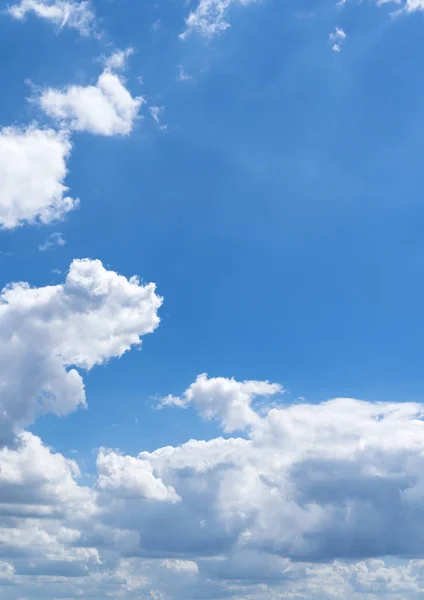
106 108
54 239
182 75
337 38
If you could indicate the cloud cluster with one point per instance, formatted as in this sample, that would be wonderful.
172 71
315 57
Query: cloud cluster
209 17
33 160
62 13
292 500
315 500
48 333
337 480
106 108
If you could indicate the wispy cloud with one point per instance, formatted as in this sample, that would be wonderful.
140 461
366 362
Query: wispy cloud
337 38
155 112
210 17
182 75
52 241
62 13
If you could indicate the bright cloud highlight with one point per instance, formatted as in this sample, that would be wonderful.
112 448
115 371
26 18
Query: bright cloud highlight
106 108
33 167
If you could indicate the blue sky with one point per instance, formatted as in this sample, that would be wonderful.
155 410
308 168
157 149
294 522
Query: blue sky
260 162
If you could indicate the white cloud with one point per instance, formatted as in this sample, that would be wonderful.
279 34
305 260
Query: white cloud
209 17
266 516
6 572
32 173
156 113
129 477
227 399
180 566
106 108
337 38
47 333
118 59
36 482
62 13
414 5
53 240
313 482
410 6
182 75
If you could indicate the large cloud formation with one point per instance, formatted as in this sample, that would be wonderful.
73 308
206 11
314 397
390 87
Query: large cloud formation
32 173
48 333
311 501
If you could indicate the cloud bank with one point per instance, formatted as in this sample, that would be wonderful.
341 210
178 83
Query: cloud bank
311 500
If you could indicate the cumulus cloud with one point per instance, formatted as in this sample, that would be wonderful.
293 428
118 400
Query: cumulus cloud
62 13
316 500
337 480
32 173
47 333
38 483
209 17
106 108
132 478
227 399
180 566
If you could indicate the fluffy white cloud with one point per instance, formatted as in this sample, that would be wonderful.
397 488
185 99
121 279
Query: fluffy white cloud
37 483
48 332
209 17
131 478
106 108
32 173
266 516
227 399
340 479
62 13
180 566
